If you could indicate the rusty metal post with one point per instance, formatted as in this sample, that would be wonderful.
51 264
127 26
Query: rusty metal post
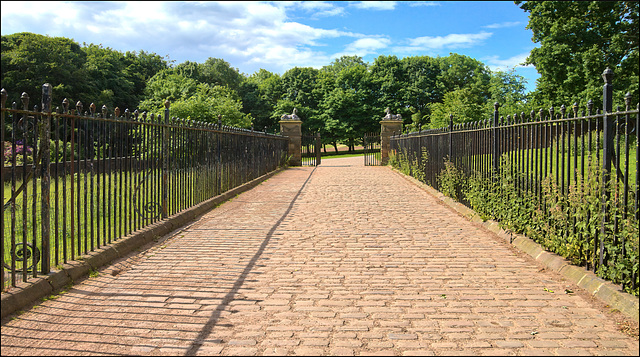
45 177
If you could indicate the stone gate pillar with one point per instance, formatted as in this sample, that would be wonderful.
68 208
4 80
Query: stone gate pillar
291 127
390 124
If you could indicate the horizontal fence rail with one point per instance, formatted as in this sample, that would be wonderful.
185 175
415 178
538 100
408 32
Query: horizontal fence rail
575 173
75 181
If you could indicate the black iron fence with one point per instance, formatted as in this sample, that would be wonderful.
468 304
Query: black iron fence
74 181
311 146
372 145
567 179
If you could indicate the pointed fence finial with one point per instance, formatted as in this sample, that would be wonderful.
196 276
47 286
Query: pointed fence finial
25 99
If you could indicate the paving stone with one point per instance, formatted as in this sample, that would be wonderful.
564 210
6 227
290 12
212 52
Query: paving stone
362 262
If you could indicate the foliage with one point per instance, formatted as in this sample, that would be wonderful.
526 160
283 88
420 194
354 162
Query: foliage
90 73
460 103
194 100
451 180
343 100
578 40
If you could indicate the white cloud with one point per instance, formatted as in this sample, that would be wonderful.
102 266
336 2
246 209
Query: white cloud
239 32
336 11
430 43
423 3
497 64
375 5
502 25
364 46
370 43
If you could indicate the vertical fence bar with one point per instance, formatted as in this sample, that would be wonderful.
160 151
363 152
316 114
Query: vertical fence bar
25 105
13 193
3 94
607 152
165 162
495 140
45 179
317 149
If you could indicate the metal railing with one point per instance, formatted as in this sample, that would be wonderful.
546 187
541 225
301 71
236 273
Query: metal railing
74 181
372 145
566 152
310 146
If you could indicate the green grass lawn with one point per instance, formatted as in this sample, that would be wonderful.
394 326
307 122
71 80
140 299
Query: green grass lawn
341 156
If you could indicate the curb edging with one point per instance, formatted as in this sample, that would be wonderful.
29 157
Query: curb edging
605 291
25 294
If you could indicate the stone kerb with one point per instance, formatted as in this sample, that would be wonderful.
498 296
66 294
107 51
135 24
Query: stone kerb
291 127
391 124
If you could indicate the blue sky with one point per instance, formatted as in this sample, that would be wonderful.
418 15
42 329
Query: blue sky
277 36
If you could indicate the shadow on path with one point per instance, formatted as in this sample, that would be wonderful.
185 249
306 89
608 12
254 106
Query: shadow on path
215 316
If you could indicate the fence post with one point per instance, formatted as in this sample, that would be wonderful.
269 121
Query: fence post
45 176
450 138
165 161
494 132
318 148
607 152
219 156
4 100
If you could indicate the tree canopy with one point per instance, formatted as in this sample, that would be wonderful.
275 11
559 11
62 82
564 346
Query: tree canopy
89 73
578 41
344 99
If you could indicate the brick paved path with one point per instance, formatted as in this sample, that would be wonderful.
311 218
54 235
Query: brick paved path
343 259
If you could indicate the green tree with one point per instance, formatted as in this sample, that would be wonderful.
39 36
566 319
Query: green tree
167 85
140 67
208 102
578 41
218 72
344 62
260 92
508 89
421 88
110 84
388 78
30 60
299 84
461 104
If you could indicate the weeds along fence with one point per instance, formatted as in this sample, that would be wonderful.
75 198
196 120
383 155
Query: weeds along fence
74 181
567 180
